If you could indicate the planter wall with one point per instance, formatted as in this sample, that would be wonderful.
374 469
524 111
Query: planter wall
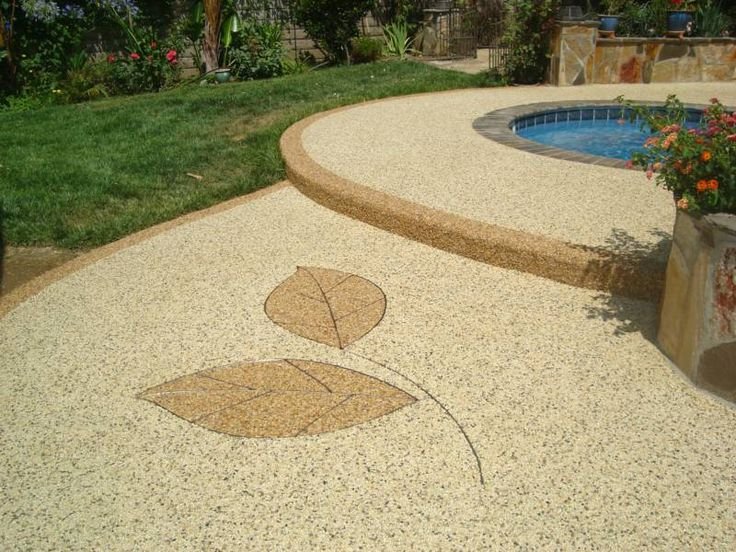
697 328
637 60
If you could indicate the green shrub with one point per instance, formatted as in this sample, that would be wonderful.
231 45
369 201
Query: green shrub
259 52
528 34
331 23
366 49
86 79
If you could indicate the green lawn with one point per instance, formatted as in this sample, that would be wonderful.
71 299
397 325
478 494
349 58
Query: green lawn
83 175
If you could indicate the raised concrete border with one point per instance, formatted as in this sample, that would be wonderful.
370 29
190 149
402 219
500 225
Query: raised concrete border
573 264
17 296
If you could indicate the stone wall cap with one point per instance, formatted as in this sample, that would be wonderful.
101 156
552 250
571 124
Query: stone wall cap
665 40
577 23
723 221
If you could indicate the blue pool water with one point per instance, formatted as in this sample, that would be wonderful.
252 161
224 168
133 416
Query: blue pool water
607 138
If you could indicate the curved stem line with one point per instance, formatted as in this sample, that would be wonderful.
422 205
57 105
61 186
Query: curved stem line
436 401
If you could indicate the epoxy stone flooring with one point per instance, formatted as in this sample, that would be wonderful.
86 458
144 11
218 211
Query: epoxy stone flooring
530 414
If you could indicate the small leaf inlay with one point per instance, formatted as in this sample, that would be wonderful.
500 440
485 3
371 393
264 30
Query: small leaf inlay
328 306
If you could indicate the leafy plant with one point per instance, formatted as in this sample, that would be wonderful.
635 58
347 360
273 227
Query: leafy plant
528 35
297 66
711 20
398 41
366 49
698 164
386 11
332 24
613 7
260 52
86 79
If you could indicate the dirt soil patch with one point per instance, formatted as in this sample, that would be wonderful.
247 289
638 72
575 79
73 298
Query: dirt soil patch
21 264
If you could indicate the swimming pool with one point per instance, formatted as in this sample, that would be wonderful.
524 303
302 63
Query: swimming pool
599 132
606 131
616 138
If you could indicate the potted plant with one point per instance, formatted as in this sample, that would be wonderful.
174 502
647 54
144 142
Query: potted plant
611 16
696 161
679 17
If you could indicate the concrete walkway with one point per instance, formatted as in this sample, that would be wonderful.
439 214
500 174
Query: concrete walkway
502 410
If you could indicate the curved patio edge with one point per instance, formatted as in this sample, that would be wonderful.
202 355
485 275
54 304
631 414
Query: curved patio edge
573 264
11 300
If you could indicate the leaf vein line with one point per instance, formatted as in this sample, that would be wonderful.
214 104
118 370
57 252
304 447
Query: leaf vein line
329 308
341 282
325 413
227 382
303 371
233 405
360 309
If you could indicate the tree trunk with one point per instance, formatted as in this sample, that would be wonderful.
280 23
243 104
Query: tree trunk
212 23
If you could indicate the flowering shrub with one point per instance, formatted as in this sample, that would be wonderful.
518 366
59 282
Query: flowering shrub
698 164
680 4
149 69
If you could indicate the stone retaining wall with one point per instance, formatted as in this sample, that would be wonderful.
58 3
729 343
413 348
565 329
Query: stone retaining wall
580 56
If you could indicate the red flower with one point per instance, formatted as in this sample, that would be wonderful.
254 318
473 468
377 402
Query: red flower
111 58
134 56
713 184
701 186
171 56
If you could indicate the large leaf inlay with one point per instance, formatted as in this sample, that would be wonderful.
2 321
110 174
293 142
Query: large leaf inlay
283 398
328 306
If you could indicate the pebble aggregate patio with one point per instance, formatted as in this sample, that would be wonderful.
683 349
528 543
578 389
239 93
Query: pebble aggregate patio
496 409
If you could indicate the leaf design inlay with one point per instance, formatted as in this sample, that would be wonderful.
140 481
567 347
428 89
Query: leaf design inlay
282 398
331 307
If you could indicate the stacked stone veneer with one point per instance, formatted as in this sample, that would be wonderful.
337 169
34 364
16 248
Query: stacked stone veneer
580 56
698 318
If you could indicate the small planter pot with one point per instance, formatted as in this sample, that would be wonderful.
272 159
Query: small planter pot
222 75
609 24
697 325
677 22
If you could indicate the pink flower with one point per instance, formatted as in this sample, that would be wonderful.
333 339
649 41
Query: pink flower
651 141
171 56
134 56
731 137
650 174
671 128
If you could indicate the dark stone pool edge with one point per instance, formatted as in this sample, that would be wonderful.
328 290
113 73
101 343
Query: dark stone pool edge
496 126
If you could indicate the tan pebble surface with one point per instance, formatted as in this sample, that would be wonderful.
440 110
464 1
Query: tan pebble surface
587 438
